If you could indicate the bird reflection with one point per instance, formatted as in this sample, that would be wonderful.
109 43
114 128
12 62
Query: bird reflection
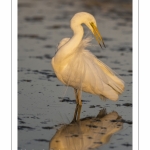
86 133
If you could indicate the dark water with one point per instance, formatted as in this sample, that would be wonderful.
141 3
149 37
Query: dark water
41 111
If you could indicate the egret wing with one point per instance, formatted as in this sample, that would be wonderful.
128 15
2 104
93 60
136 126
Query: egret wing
84 71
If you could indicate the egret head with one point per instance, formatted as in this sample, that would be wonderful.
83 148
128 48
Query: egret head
92 25
97 34
90 22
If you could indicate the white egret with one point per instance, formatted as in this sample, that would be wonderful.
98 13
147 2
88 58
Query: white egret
79 68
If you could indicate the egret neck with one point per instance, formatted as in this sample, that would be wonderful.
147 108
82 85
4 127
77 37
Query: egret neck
71 46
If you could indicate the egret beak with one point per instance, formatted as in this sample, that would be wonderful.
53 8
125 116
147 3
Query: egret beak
97 35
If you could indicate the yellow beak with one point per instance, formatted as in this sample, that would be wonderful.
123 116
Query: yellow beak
97 35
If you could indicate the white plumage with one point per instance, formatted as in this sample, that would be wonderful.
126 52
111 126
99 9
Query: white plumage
79 68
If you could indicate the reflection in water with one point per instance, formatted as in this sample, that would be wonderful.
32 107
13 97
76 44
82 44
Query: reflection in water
88 133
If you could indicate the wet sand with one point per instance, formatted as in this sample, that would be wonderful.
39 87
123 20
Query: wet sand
41 110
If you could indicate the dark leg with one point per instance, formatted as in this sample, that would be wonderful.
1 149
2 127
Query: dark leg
75 114
78 96
78 106
79 112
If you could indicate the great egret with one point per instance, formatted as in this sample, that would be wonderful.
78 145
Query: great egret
79 68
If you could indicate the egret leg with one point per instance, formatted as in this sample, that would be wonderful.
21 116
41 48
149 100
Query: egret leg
75 114
79 112
78 96
78 106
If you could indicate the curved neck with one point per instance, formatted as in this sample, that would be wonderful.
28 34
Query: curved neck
71 46
77 37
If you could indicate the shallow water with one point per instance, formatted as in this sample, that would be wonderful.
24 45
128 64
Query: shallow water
41 110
